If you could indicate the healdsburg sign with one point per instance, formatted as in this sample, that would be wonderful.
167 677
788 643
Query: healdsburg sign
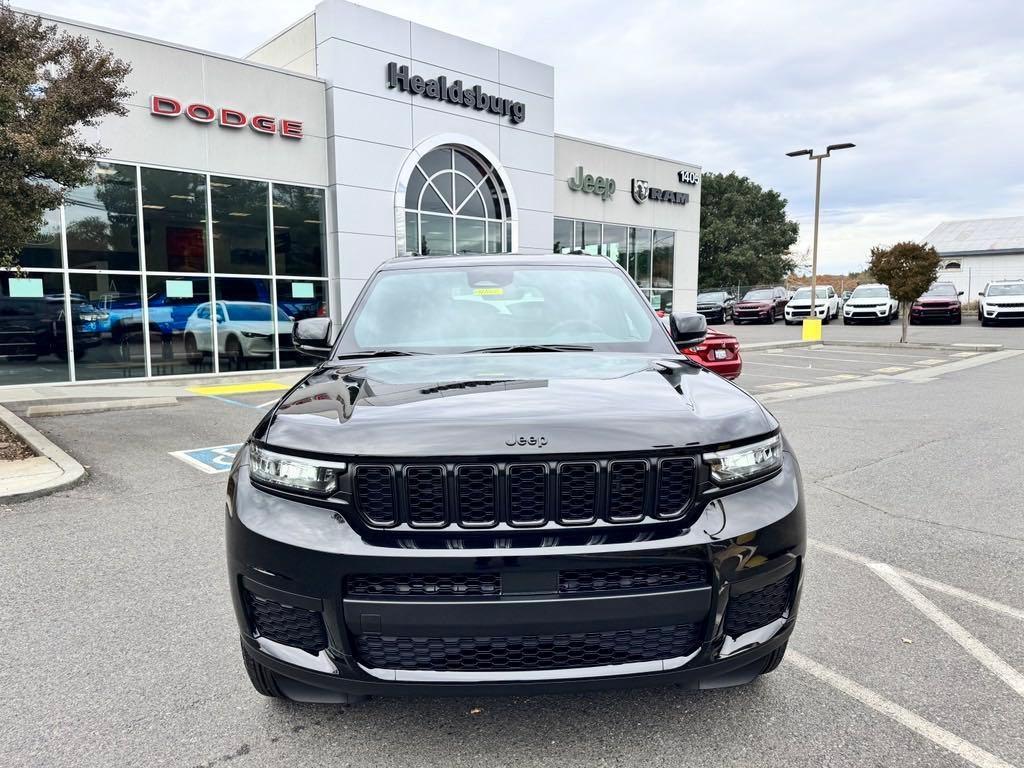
439 89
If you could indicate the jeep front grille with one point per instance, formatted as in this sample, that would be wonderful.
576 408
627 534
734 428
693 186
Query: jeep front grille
523 494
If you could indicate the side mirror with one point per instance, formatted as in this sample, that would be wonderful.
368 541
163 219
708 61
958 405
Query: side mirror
687 328
959 293
981 293
312 337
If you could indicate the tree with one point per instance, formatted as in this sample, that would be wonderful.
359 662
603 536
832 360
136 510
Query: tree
745 236
909 269
52 85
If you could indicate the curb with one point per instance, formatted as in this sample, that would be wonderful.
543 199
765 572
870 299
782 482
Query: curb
101 406
72 471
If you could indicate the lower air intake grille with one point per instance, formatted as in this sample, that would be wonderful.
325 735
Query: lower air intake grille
759 607
527 652
286 624
638 577
425 584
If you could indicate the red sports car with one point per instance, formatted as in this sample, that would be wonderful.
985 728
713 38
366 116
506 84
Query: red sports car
719 352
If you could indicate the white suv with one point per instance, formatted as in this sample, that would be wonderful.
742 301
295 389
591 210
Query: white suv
825 308
870 301
1001 300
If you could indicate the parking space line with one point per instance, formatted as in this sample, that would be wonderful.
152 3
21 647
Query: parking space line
268 403
930 361
850 351
840 377
785 385
934 733
747 362
822 356
971 644
891 369
965 354
962 594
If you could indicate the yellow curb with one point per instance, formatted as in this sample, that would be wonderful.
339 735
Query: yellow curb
238 389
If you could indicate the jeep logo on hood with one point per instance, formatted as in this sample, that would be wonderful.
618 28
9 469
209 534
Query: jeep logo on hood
537 440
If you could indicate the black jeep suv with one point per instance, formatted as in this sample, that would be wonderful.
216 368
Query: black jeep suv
503 477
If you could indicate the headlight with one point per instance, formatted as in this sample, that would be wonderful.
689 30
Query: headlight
745 462
254 335
295 472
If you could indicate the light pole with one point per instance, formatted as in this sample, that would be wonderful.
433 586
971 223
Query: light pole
817 206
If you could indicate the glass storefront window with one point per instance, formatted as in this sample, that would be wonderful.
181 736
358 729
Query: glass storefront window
563 236
33 330
640 256
102 220
174 220
179 330
300 217
239 225
435 234
451 188
297 300
44 248
246 327
470 235
109 338
615 245
588 237
664 253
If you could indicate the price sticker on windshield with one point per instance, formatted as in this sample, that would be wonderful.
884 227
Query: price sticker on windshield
488 291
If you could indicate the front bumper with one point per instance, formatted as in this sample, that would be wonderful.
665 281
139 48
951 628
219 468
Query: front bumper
924 313
285 553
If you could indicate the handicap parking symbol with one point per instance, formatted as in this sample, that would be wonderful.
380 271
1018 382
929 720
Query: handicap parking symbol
212 461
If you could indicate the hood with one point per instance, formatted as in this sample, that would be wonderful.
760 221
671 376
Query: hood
866 302
821 302
758 303
943 300
480 405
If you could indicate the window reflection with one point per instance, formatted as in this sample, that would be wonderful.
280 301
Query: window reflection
563 236
614 244
102 220
174 220
640 256
33 335
175 325
108 309
43 250
470 235
297 300
239 225
299 227
245 324
664 253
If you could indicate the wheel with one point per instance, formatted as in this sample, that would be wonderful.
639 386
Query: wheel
262 679
772 318
828 318
986 322
789 322
847 321
773 659
958 319
233 353
192 353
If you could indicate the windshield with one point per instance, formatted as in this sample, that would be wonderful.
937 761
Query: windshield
870 292
1005 289
940 291
252 312
707 297
805 293
765 295
459 309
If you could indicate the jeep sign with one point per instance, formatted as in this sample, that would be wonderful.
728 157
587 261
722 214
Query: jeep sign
598 185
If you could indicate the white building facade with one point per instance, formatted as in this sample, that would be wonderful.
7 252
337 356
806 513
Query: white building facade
977 251
240 195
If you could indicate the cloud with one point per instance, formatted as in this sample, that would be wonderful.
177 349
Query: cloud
929 90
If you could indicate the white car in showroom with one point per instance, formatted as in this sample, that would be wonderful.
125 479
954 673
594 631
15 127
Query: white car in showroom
826 307
245 329
1001 300
870 302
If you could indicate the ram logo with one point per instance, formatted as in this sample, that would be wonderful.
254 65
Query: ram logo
640 190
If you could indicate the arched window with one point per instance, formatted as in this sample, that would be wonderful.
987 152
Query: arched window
951 265
456 203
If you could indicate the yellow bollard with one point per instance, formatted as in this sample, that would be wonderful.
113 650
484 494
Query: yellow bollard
812 329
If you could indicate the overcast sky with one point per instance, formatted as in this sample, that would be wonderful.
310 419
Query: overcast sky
932 92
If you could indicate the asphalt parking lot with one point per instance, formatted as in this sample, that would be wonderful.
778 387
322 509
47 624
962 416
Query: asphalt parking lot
119 643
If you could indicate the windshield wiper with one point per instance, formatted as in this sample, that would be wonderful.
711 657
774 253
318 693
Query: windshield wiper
377 353
533 348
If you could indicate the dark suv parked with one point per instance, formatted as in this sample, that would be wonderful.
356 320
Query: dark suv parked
503 477
764 305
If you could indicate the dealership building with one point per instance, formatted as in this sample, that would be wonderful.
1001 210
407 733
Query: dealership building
238 195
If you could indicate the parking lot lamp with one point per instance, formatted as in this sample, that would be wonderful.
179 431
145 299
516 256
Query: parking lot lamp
817 207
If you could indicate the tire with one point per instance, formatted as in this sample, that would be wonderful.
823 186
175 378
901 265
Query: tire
847 322
985 322
789 322
828 318
262 679
773 659
233 353
957 320
192 354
